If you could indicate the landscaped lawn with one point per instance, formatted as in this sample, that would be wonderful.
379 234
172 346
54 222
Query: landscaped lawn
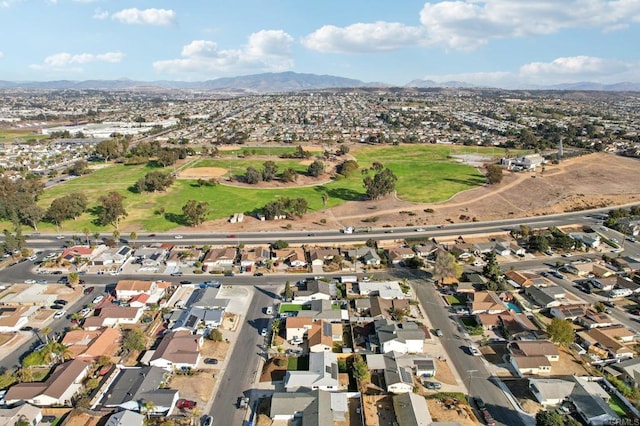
425 174
469 322
290 307
617 406
300 363
456 300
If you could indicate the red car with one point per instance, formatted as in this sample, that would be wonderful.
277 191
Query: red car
88 290
186 404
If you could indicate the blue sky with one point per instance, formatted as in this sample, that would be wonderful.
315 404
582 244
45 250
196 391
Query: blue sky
505 43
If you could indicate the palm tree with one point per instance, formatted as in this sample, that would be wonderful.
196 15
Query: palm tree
45 332
147 407
96 235
116 234
73 278
25 374
86 232
133 236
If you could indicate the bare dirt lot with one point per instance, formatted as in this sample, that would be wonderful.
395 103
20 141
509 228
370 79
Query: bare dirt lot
378 410
594 180
198 387
459 413
201 173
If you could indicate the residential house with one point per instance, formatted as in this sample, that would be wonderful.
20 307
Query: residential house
593 319
525 279
517 326
483 248
207 298
126 418
196 320
313 290
384 289
535 348
397 379
133 387
530 365
425 250
585 393
152 256
627 283
21 295
502 248
609 342
604 283
177 350
219 258
13 318
318 257
58 389
366 255
296 328
28 413
255 256
411 410
628 371
528 162
589 239
546 297
113 316
295 257
112 256
486 302
399 254
126 289
322 335
405 337
580 269
322 374
317 407
91 345
388 308
323 309
424 367
603 270
568 312
74 253
516 249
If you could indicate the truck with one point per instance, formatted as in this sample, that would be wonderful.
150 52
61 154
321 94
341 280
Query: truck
362 229
347 230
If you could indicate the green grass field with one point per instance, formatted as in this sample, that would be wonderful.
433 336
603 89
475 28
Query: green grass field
8 136
425 174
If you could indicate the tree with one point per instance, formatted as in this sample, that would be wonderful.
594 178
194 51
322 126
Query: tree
316 168
155 181
445 266
112 209
538 243
167 157
275 325
279 244
79 168
31 215
599 307
288 291
347 168
195 212
110 148
343 149
561 332
414 262
491 269
67 207
381 184
289 175
134 340
73 278
269 170
215 335
361 370
252 176
494 174
133 236
549 418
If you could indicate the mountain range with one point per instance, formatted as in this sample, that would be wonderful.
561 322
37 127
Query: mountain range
282 82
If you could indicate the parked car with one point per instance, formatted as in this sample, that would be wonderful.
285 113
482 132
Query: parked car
229 274
487 417
176 274
263 332
59 314
210 361
60 302
207 421
186 404
97 299
258 274
56 307
480 404
432 385
474 351
88 290
85 311
243 402
178 237
185 282
29 281
439 332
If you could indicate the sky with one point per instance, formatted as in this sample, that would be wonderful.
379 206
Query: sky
499 43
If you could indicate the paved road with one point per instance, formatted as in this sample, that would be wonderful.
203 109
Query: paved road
242 365
471 369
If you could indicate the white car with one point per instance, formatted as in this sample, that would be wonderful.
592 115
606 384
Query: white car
98 299
420 229
263 332
29 281
178 237
85 311
59 314
474 351
60 237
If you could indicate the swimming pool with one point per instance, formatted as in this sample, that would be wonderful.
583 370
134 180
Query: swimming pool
514 308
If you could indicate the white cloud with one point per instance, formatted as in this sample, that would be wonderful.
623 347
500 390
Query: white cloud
64 58
160 17
470 24
361 37
267 50
85 1
100 14
1 55
561 70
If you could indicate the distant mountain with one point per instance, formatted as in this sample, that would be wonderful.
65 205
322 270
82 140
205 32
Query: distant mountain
284 82
257 83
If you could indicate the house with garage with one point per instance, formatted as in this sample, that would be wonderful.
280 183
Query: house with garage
589 239
21 413
309 408
568 312
628 371
486 301
530 365
126 418
550 392
609 342
151 256
501 248
384 289
322 374
426 250
546 297
366 255
424 367
398 379
535 348
314 290
319 257
196 320
592 319
131 388
397 255
126 289
402 337
13 318
59 388
113 316
520 279
411 410
388 308
177 350
219 259
81 254
296 328
91 345
112 256
257 256
295 257
532 357
322 335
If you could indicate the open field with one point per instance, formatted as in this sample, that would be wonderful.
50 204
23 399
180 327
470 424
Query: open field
8 136
267 150
424 174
